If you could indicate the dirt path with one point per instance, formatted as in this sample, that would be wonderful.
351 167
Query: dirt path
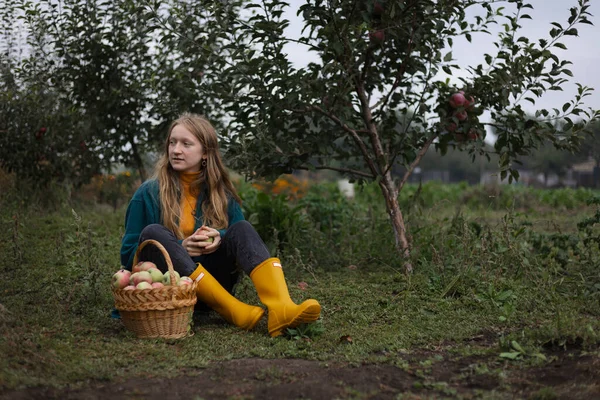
569 375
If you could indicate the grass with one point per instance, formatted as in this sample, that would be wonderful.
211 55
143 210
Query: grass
489 274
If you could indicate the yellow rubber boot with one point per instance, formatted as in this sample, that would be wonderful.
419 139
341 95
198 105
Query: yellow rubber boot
273 292
210 291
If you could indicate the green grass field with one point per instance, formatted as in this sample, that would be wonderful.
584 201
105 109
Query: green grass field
509 286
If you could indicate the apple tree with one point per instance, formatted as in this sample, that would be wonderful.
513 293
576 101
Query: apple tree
42 138
113 64
379 96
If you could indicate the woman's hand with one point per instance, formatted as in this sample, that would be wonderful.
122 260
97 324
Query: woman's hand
200 243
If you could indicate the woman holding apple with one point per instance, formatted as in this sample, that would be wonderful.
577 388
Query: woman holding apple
191 207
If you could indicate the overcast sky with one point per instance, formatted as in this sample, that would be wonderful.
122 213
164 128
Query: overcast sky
583 51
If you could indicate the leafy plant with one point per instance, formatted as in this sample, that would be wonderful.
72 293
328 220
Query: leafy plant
273 217
305 331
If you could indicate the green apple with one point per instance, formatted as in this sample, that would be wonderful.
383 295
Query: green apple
143 285
185 280
156 275
167 277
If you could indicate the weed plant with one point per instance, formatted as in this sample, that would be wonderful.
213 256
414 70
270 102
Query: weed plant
477 273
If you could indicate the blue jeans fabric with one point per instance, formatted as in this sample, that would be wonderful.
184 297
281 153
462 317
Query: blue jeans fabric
241 249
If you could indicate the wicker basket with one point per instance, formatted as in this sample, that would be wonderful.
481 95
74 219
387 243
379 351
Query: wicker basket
161 312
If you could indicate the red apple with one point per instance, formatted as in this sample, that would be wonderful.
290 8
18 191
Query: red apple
130 287
136 267
377 37
469 103
139 277
461 115
40 133
146 265
473 134
121 279
451 127
157 285
377 9
459 137
457 100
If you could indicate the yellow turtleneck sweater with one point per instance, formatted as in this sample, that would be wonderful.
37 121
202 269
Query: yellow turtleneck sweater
187 221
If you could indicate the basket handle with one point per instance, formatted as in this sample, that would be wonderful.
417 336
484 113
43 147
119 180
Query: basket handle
165 256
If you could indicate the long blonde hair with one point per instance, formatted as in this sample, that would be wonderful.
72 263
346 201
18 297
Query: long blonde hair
214 178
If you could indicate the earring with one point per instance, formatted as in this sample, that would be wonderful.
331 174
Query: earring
203 163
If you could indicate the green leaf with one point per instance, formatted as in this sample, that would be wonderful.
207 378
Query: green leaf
510 355
515 345
571 32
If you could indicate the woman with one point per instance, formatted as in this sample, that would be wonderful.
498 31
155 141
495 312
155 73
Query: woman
190 202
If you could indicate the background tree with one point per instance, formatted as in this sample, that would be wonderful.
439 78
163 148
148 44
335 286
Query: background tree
40 134
114 68
377 61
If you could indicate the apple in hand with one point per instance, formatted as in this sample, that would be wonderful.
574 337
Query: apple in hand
208 241
121 279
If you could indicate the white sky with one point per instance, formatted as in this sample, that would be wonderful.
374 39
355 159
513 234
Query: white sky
583 51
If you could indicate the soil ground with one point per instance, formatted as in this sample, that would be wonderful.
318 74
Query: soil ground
429 375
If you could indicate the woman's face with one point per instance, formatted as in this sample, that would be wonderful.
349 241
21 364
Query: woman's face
185 151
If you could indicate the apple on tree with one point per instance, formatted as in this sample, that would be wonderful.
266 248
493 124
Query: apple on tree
377 36
461 115
457 100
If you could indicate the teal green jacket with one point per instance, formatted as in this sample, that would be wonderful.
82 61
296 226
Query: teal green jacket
144 209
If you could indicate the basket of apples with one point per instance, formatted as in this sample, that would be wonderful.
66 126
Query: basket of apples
153 304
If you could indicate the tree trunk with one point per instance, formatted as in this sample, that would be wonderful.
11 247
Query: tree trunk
138 161
390 194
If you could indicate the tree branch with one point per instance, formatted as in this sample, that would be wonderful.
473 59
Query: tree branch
359 142
343 170
402 70
368 118
415 162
